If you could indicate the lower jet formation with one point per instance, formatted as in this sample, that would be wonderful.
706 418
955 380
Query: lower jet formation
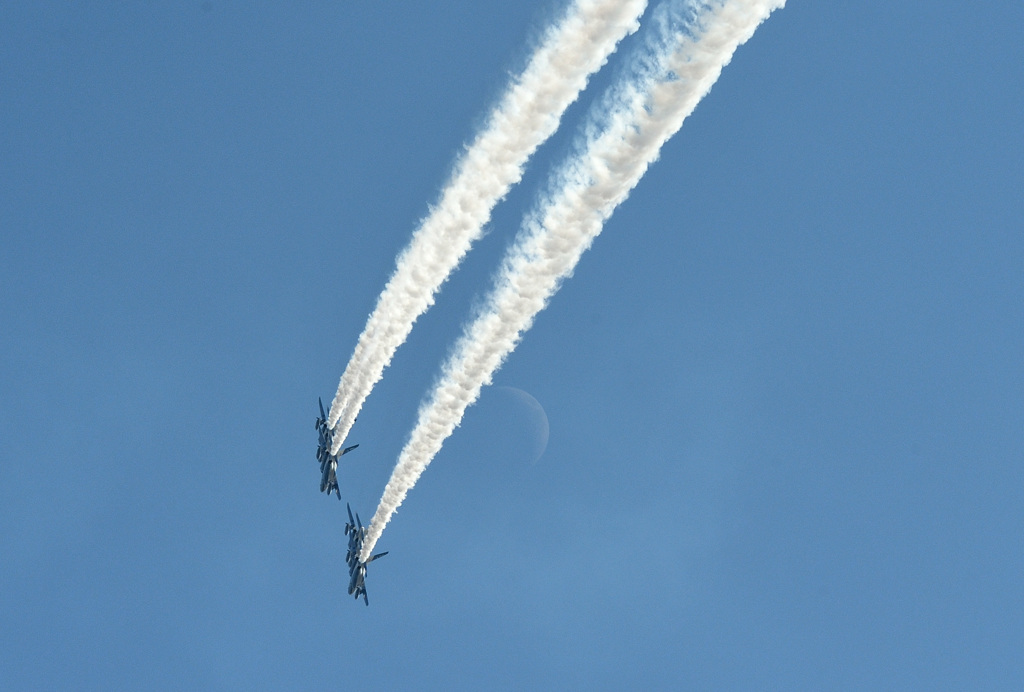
328 461
357 569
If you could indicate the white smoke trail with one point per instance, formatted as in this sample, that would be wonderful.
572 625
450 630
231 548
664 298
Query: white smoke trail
642 116
529 112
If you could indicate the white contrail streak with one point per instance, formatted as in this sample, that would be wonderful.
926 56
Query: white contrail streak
527 114
643 114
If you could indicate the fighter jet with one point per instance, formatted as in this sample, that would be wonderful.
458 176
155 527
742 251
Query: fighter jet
329 472
321 421
357 582
356 533
357 570
354 538
328 461
323 449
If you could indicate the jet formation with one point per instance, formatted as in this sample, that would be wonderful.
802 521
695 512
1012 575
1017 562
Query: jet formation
354 528
356 568
328 461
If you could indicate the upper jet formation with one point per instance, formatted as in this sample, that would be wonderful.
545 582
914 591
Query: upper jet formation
328 461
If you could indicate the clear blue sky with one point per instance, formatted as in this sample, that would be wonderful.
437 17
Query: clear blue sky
785 387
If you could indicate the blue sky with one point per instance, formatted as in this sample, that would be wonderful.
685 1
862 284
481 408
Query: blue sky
785 388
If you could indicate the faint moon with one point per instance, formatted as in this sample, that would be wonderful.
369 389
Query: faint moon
531 415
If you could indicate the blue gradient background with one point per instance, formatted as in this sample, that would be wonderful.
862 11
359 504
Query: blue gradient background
785 387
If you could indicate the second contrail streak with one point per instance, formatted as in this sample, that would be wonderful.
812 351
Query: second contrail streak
643 114
529 112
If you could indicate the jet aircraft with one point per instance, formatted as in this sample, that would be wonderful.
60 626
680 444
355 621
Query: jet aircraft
323 449
356 534
357 582
328 461
321 421
329 472
357 569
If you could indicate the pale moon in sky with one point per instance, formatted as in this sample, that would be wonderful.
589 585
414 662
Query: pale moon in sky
533 417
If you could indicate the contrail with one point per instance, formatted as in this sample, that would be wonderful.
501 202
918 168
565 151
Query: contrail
668 82
528 113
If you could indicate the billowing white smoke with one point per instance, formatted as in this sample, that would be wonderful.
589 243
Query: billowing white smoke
528 113
641 116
